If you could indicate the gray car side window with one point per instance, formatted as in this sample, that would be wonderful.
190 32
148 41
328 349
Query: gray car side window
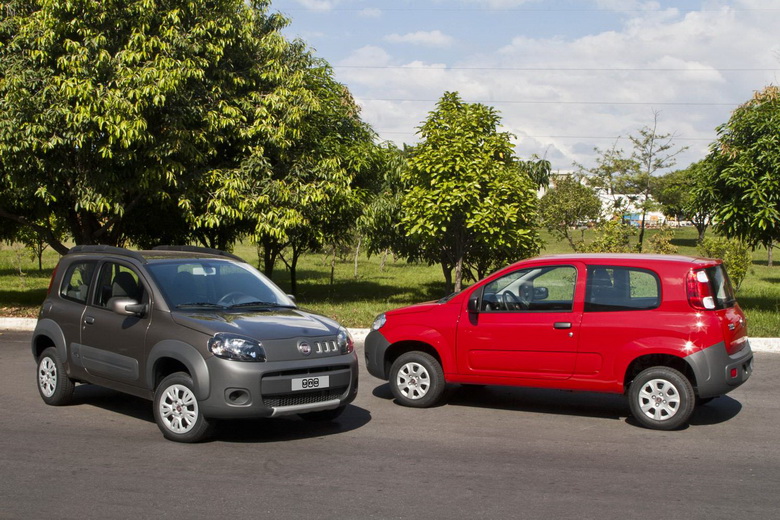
75 283
117 281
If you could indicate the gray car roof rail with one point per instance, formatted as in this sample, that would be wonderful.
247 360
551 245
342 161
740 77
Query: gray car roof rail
199 249
121 251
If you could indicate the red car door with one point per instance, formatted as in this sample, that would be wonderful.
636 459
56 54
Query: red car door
522 324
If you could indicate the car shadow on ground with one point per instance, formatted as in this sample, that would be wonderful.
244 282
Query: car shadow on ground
580 404
289 428
236 430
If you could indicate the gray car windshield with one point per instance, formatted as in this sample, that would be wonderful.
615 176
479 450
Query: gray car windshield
210 284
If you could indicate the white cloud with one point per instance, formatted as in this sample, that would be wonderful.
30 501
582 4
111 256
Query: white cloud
318 5
427 38
563 96
371 13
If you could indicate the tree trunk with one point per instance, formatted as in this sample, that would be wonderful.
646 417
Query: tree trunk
769 249
458 274
642 230
293 267
270 253
357 255
447 278
701 229
333 265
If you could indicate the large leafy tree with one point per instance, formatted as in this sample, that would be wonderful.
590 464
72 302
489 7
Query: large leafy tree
747 163
111 109
311 189
467 201
380 221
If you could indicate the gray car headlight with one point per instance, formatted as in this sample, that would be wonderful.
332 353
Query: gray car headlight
236 348
345 341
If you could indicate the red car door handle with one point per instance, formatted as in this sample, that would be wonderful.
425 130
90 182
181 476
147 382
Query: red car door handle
562 325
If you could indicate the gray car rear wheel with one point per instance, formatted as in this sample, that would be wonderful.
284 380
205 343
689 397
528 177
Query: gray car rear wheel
54 385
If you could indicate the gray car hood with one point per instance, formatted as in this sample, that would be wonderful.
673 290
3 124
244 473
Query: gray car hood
261 325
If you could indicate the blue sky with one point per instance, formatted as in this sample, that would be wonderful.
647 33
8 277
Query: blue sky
565 75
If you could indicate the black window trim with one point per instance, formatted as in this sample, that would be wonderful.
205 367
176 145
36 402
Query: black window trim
546 268
90 283
588 306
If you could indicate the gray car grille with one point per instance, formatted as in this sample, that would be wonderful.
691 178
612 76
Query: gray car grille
303 398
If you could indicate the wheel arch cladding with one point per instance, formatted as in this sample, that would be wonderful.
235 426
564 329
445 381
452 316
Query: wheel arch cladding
658 360
396 350
48 334
170 356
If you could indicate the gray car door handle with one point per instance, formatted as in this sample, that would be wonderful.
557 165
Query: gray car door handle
89 320
562 325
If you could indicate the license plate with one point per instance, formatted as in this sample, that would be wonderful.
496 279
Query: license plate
310 383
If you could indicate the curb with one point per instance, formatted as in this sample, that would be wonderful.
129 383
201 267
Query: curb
359 335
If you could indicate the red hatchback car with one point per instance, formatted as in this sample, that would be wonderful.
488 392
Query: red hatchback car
665 330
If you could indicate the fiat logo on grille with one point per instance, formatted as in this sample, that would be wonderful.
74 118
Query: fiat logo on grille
304 348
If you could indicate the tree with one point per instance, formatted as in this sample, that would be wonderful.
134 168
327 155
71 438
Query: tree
311 189
609 177
567 204
746 183
652 152
380 222
110 108
687 194
467 201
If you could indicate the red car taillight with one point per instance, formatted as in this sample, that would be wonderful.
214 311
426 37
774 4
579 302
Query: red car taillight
51 280
699 290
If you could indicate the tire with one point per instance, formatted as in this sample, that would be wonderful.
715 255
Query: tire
416 380
324 415
661 398
54 385
177 411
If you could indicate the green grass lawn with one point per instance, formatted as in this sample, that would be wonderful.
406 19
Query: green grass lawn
356 300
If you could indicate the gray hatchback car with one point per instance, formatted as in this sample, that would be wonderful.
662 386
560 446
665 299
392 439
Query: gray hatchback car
198 331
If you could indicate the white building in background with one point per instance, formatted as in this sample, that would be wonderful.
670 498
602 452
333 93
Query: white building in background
626 206
629 208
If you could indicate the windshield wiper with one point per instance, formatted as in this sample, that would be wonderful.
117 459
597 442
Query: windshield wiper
199 304
260 304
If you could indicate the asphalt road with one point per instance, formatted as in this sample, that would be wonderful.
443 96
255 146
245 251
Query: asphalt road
488 453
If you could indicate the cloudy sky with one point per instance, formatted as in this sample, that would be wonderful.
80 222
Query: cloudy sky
565 75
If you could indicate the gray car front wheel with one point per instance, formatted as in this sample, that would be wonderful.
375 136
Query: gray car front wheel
177 411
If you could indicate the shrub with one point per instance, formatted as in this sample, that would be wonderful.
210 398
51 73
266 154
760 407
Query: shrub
735 254
611 237
661 242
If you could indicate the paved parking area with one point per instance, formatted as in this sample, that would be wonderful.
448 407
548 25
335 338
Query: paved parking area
487 453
